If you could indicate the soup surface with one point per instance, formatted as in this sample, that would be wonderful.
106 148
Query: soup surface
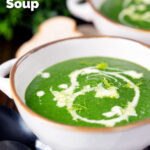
134 13
91 92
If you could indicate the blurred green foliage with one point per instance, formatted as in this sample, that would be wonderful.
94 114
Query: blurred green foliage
12 18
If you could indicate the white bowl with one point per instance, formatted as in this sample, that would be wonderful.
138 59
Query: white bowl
89 12
133 136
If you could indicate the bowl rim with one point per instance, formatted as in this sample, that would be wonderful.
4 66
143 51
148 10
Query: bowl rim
115 22
52 123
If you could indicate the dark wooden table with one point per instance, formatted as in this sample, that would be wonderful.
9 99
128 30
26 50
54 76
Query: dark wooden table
7 51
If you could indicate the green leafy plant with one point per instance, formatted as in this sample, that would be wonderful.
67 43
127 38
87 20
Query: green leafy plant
12 18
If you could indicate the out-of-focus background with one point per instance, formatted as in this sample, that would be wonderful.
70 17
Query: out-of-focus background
18 25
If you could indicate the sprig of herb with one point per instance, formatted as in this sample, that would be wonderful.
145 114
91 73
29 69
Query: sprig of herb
101 65
127 85
138 83
106 83
78 107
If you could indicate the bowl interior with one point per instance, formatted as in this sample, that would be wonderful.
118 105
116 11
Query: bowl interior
34 62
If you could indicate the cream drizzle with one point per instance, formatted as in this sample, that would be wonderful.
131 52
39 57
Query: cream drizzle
45 74
40 93
134 74
63 86
66 97
131 11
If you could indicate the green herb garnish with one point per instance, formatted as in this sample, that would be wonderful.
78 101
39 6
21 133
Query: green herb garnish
128 85
139 83
106 83
78 107
101 65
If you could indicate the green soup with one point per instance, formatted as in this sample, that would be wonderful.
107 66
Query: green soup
91 92
134 13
